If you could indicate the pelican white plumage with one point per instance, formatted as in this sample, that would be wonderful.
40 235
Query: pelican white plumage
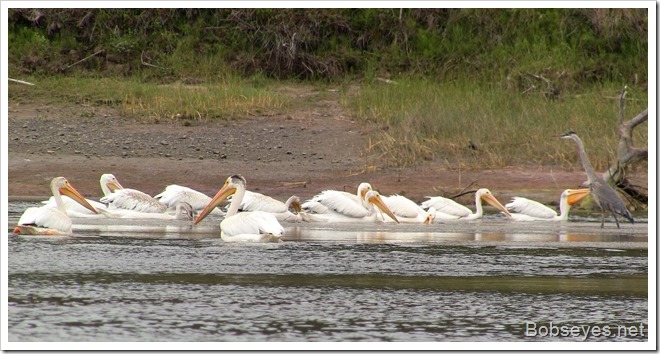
408 211
253 226
132 199
182 211
253 201
335 206
337 200
175 194
524 209
449 209
108 183
49 220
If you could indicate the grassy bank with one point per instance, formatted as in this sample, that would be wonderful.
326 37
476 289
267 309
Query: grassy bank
468 87
461 124
466 124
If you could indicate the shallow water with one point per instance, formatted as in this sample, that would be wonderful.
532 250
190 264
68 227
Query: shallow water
478 281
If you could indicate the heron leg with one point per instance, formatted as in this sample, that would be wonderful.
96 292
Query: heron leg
617 221
602 219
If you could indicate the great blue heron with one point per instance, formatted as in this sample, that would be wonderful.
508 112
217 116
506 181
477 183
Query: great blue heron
603 195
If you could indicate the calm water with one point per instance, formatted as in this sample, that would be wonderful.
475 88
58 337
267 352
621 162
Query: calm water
477 281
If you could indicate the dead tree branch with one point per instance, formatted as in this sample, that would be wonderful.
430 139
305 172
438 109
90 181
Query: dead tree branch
85 58
627 154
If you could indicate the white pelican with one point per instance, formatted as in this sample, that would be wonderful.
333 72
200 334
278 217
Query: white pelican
48 220
338 207
132 199
108 183
182 211
445 206
253 201
330 199
337 200
253 226
524 209
174 194
408 211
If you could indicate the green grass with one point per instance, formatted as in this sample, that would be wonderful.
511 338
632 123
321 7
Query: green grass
230 98
470 125
461 124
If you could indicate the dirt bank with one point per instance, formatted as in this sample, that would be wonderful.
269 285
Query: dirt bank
300 153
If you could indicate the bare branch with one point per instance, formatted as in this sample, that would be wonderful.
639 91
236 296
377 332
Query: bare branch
622 104
21 82
640 118
147 64
85 58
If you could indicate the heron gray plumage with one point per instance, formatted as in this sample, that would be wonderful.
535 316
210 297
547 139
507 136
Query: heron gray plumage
603 195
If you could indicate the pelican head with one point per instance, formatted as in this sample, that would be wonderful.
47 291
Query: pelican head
295 204
363 188
485 195
109 180
62 186
184 211
430 216
231 186
373 197
574 196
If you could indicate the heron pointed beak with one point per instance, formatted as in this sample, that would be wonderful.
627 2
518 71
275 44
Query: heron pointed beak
72 193
490 199
378 202
222 194
576 195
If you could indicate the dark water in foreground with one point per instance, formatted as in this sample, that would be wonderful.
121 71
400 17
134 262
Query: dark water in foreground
148 282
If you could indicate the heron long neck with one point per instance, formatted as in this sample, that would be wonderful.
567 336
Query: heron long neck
586 164
236 201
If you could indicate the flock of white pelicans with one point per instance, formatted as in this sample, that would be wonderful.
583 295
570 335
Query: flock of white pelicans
254 217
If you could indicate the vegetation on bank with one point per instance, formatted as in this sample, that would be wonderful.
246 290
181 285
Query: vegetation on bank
488 87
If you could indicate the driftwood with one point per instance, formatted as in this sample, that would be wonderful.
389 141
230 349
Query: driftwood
627 154
21 82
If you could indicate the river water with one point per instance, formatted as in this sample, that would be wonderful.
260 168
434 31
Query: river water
485 280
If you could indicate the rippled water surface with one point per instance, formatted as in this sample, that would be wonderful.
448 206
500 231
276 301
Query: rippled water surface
477 281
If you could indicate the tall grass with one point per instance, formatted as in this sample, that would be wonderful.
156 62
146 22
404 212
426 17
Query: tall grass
230 98
468 125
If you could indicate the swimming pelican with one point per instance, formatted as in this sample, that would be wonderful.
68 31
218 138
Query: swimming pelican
253 201
49 220
132 199
174 194
182 211
334 199
253 226
108 183
446 206
337 200
602 194
408 211
524 209
334 206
